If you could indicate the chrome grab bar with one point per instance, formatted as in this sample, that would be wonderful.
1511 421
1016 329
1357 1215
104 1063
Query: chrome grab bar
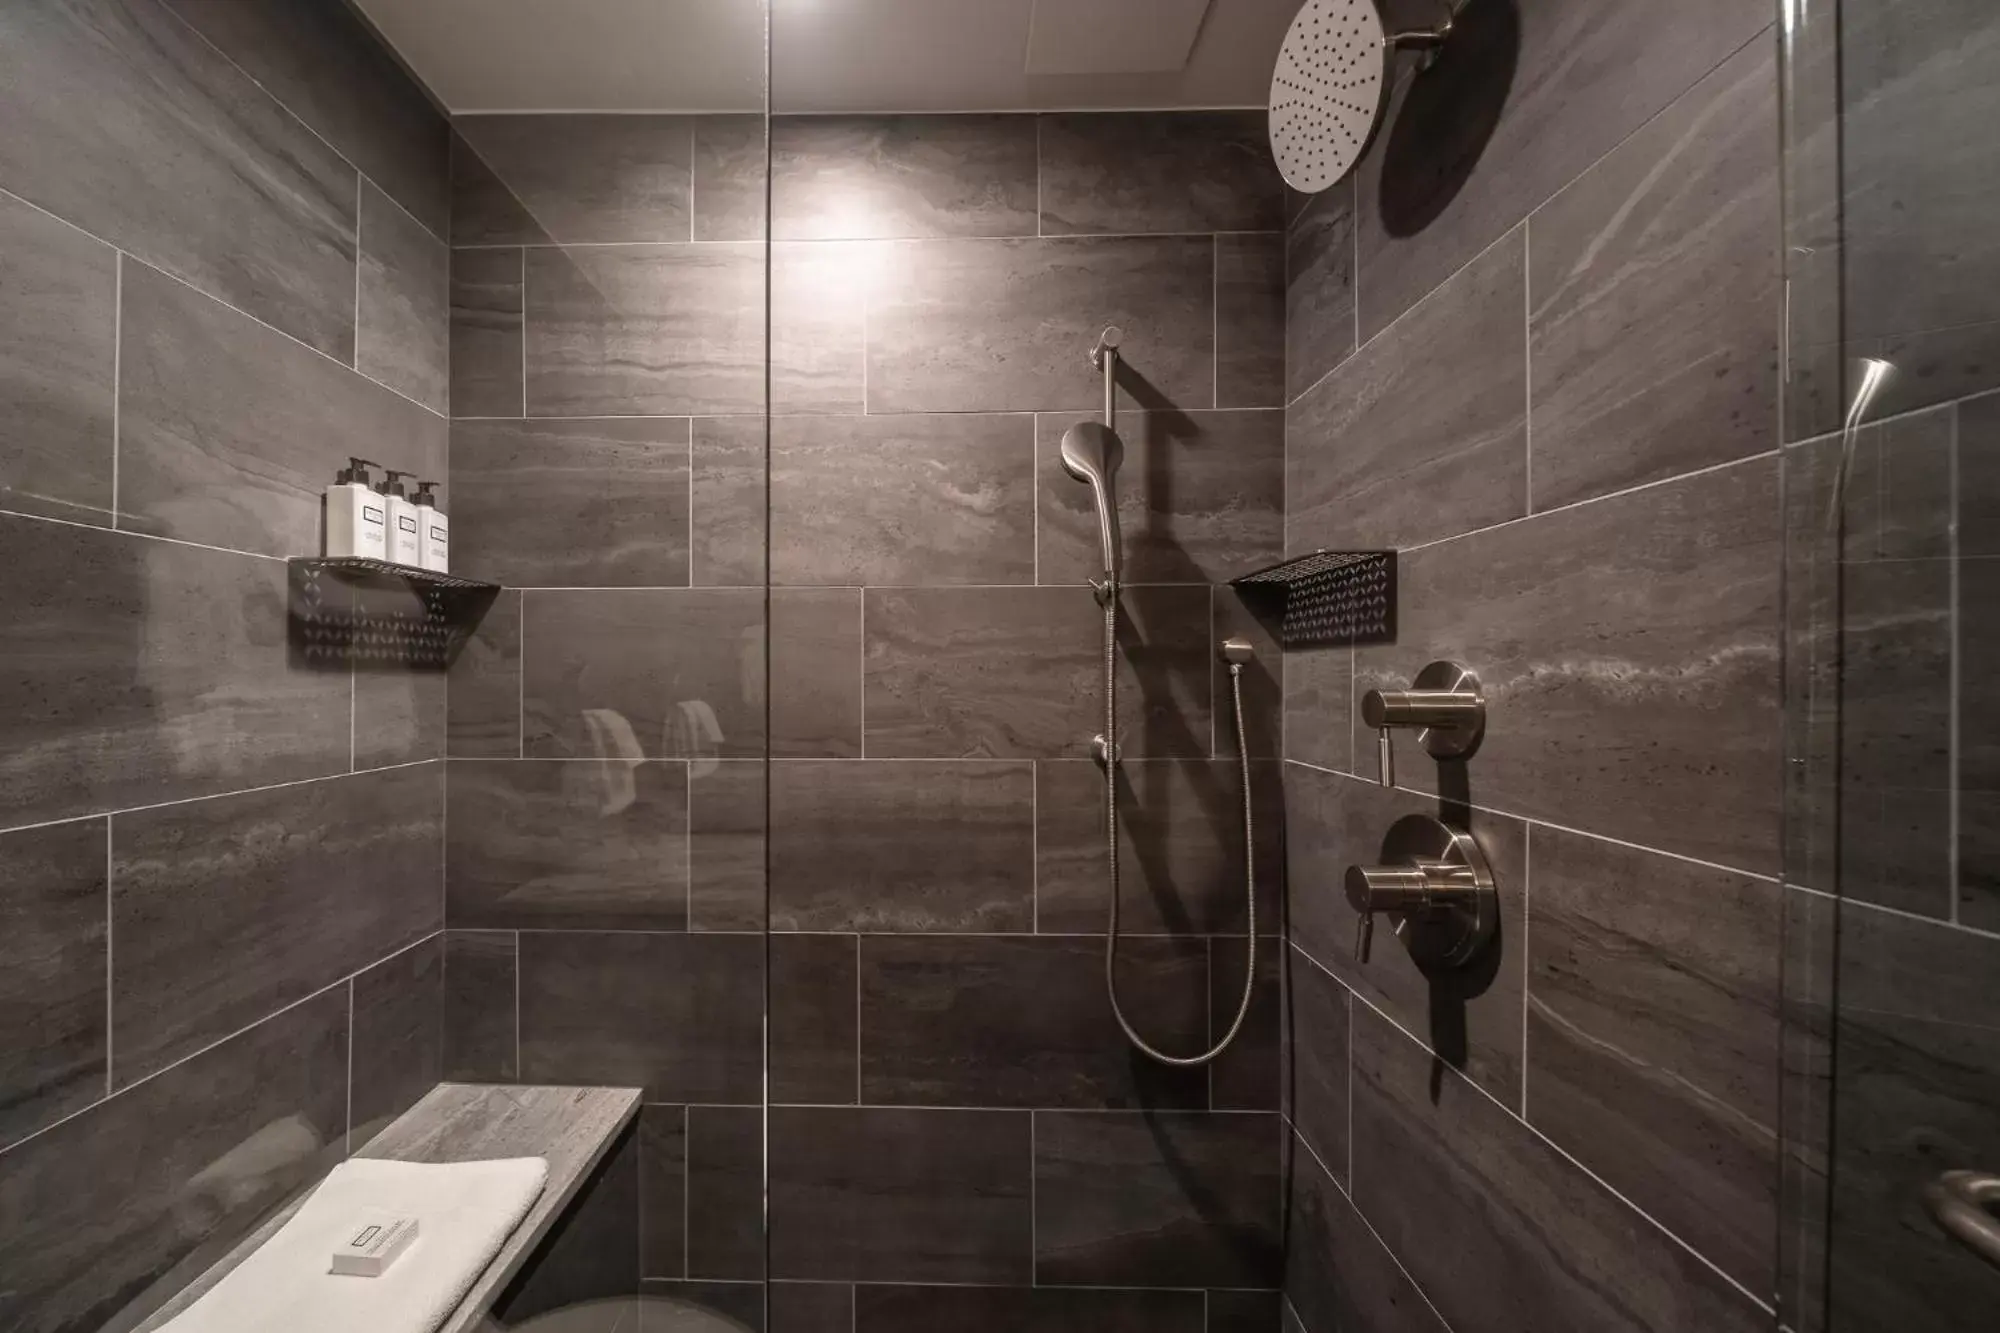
1960 1202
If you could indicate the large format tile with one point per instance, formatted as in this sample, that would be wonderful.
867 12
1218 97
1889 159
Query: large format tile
483 686
903 499
1654 280
681 1016
1500 1230
1628 652
727 472
812 1307
872 177
182 161
109 1213
141 671
1158 1199
729 177
1538 93
654 673
551 844
403 304
1316 1060
1180 825
1422 433
1337 1275
1249 1075
579 504
1250 320
1653 1037
1005 325
819 325
897 846
1201 498
225 909
230 433
1150 172
1007 672
52 974
58 341
814 1019
994 1021
663 1208
815 665
1319 708
725 1192
673 1305
479 1006
398 1052
487 372
1319 288
330 70
400 715
918 1309
726 845
892 1195
1470 1016
531 179
1244 1311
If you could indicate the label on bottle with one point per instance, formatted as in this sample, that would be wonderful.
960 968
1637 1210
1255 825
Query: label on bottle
438 534
370 514
406 523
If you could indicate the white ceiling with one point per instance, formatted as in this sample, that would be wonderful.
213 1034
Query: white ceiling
835 55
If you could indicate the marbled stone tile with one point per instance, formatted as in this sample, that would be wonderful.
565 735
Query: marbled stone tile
1475 1205
53 945
487 371
1895 642
1180 825
1250 320
1337 1275
1152 172
1316 1028
584 1275
1896 500
812 1307
819 326
1628 653
727 466
142 671
570 179
894 846
1005 325
481 988
398 1037
580 503
814 1019
184 162
815 696
725 1192
400 716
1541 92
680 1015
897 1195
1653 1037
663 1206
1470 1016
483 687
332 72
1654 287
1421 433
58 342
917 1309
726 845
905 499
556 845
994 1021
1319 708
403 305
109 1213
1319 288
1249 1073
1243 1311
652 673
1201 498
1018 672
729 177
1158 1199
230 433
226 909
1261 683
1978 650
881 176
672 1305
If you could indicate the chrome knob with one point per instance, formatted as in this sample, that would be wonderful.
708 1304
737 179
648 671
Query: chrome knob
1444 705
1436 883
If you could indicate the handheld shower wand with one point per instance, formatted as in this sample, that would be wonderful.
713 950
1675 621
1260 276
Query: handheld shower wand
1091 452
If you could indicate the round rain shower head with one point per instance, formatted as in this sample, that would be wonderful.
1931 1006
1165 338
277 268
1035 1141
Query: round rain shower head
1331 86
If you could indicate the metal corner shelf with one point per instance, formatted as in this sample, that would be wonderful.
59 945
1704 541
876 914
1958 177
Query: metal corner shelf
352 612
1329 597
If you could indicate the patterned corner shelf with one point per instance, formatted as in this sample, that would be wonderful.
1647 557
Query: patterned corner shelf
1329 597
351 612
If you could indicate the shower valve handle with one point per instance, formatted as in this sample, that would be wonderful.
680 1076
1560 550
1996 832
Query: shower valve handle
1444 705
1436 883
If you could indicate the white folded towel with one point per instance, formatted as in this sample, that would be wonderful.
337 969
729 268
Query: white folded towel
465 1212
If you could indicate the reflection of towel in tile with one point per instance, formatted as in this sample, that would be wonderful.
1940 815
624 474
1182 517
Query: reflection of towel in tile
618 755
694 732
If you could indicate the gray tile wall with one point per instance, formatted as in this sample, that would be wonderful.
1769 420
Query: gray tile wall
220 900
1545 369
953 1101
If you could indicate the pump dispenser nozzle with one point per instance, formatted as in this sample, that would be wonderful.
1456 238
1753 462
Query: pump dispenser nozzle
392 482
426 494
356 471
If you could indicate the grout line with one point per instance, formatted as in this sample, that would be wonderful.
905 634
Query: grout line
360 191
1527 903
110 973
117 373
1527 368
146 536
211 796
1955 675
1346 1192
1849 903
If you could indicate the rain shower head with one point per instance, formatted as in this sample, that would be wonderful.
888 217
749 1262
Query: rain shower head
1091 452
1331 86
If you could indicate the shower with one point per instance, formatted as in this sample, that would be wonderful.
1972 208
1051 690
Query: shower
1091 452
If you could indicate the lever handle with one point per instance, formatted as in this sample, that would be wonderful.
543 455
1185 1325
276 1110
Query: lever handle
1364 935
1385 757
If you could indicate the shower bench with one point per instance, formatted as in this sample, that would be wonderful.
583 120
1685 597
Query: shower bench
572 1127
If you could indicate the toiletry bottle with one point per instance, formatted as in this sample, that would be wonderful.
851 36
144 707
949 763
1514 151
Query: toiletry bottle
436 528
405 544
357 516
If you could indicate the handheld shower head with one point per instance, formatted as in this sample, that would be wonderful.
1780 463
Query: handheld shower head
1091 452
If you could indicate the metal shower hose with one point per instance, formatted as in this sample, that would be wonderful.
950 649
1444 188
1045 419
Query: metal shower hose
1110 597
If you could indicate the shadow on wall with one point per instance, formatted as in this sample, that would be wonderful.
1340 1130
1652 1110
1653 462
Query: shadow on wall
1443 118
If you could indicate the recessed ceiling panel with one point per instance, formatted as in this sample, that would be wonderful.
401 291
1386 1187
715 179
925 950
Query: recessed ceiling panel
1113 36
